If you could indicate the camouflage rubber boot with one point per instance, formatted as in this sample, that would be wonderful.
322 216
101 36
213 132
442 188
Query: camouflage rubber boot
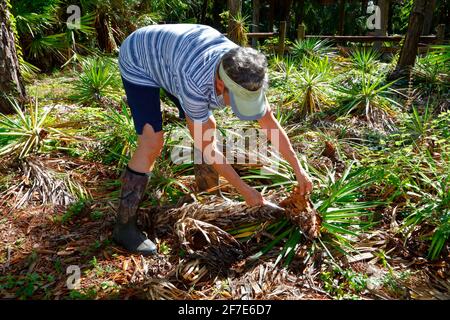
126 233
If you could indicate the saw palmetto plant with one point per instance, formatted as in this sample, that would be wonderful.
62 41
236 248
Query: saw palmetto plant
431 73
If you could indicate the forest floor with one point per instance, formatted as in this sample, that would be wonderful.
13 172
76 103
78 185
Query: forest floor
38 242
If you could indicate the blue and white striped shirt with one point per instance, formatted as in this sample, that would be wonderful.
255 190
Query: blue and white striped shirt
181 58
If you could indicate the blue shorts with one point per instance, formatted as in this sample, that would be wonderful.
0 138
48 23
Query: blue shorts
145 105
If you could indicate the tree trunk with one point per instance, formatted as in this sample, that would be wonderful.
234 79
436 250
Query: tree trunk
299 12
390 16
204 10
10 77
217 9
255 20
105 37
271 15
409 49
341 17
364 7
286 14
235 7
428 22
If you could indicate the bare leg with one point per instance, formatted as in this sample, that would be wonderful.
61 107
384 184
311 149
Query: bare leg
150 144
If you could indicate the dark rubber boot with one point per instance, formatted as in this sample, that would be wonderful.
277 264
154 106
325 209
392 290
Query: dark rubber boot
125 231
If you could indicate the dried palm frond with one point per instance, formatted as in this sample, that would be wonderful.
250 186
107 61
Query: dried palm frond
265 281
202 240
162 289
191 271
42 184
216 210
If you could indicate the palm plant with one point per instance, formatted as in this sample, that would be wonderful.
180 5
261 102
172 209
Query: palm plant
344 216
365 60
432 73
44 37
24 134
311 48
314 83
369 98
98 79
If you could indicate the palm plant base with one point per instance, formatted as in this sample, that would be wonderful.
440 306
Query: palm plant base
300 210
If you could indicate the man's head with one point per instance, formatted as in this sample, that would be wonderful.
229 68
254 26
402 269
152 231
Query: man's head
242 79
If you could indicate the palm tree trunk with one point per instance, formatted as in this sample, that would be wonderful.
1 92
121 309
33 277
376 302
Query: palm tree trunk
105 37
428 22
10 78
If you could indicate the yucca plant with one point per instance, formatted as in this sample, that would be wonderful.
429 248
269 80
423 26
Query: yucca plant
311 48
312 87
365 59
238 29
416 126
282 69
431 74
24 133
98 79
370 98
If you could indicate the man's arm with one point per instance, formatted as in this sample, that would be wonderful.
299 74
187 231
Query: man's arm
205 140
281 142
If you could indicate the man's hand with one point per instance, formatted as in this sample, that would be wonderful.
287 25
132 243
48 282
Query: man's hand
304 183
252 197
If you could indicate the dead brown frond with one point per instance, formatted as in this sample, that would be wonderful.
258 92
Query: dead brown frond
191 271
222 213
162 289
41 184
265 281
218 249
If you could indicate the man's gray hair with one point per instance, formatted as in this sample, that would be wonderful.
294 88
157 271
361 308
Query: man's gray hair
247 67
